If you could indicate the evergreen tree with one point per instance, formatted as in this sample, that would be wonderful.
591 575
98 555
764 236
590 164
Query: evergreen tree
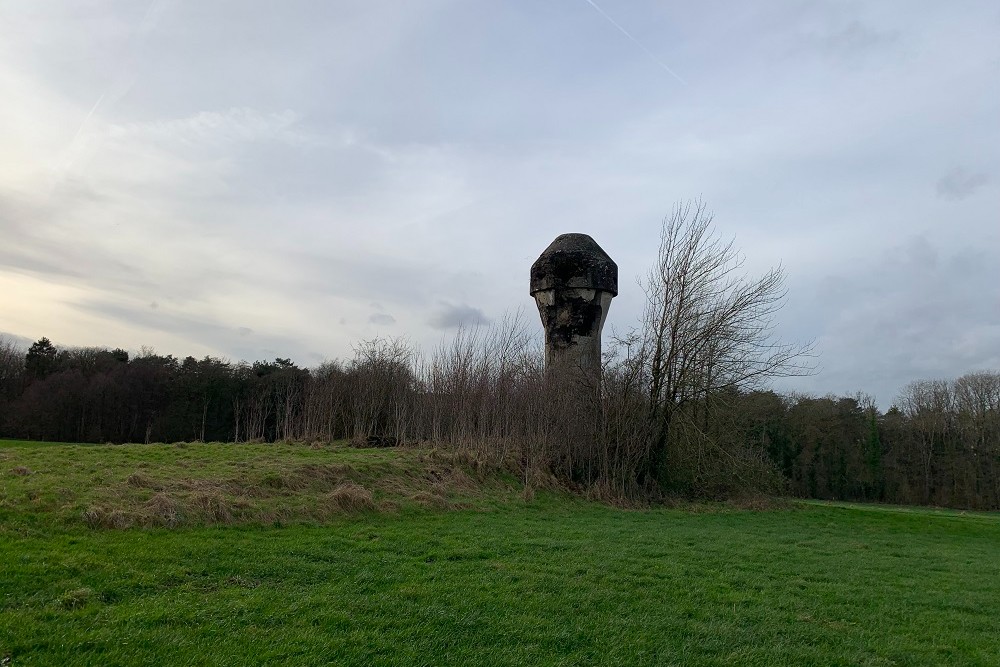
41 358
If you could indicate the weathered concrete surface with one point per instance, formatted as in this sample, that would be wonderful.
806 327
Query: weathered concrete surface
573 282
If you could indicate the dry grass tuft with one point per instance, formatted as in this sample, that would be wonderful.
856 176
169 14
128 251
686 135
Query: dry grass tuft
273 480
212 507
102 517
430 499
351 497
141 480
323 476
163 510
21 471
456 479
75 599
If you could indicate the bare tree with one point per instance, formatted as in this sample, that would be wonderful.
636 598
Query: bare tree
929 405
11 364
707 326
12 372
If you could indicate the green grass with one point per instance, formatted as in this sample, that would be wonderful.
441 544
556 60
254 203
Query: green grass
551 581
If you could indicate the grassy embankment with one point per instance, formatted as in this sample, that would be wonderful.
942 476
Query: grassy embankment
282 554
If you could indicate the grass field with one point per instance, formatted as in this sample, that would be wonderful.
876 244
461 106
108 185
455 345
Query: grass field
282 554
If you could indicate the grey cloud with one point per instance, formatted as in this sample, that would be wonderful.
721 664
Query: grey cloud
856 38
205 333
244 331
38 240
920 253
960 183
75 263
382 319
909 312
409 281
455 316
839 33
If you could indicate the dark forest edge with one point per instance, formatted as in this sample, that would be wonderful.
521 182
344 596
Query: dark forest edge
485 393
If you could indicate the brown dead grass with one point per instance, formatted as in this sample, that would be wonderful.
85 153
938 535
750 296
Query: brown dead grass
212 507
351 497
430 499
323 476
168 510
163 510
141 480
263 491
21 471
99 516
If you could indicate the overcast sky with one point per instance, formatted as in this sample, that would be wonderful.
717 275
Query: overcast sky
260 179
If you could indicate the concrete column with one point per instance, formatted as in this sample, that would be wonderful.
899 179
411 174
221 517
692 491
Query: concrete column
573 282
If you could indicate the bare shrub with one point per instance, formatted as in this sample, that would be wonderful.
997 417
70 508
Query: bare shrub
707 329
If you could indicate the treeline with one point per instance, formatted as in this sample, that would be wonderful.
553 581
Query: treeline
939 444
486 391
386 394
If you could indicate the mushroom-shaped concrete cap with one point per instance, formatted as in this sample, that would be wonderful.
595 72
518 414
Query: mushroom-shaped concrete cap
574 261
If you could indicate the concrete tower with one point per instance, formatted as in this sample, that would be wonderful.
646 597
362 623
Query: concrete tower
573 283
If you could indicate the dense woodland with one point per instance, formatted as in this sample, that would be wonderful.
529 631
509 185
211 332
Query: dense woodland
940 443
